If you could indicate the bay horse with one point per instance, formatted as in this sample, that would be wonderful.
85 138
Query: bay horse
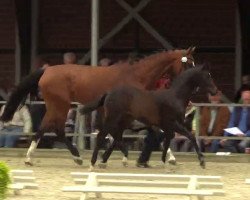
161 110
62 84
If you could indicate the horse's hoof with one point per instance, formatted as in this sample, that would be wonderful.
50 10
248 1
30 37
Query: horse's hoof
102 165
172 162
78 161
28 162
91 168
143 165
203 164
125 162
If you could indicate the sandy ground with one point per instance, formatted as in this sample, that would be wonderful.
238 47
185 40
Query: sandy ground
54 172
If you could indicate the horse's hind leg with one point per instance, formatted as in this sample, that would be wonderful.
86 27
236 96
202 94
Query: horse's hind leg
46 126
117 142
73 150
106 154
35 140
100 139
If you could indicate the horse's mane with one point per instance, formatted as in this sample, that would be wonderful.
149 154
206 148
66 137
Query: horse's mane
147 59
154 57
184 76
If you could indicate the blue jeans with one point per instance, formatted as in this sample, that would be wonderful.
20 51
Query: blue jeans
9 135
215 145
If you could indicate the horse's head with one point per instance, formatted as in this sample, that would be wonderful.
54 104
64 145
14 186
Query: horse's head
182 59
204 80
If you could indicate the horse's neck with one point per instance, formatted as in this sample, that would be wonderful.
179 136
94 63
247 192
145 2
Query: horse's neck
149 70
183 92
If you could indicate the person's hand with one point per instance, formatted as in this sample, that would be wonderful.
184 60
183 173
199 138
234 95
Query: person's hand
240 135
222 142
207 142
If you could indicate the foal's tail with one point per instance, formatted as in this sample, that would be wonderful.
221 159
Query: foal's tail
20 93
93 105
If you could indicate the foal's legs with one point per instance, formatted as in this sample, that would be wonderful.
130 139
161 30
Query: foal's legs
123 149
107 153
115 125
100 139
182 130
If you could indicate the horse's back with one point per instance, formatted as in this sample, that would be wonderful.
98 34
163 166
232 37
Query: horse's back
139 104
79 83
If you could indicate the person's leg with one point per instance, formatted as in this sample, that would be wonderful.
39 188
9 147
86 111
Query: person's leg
173 144
242 145
13 135
2 139
11 140
186 146
231 146
215 146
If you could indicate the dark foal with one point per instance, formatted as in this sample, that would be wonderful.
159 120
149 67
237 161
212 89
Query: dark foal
161 110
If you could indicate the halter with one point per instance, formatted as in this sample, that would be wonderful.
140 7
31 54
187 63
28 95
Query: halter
184 60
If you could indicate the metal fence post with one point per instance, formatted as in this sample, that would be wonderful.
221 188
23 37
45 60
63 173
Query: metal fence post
197 121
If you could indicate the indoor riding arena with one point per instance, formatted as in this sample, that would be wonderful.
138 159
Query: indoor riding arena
124 99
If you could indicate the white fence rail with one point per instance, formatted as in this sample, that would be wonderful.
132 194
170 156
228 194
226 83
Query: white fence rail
192 186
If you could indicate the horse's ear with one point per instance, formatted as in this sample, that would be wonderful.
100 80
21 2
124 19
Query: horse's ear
189 50
192 50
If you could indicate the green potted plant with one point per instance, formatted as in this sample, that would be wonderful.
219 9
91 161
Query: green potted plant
4 179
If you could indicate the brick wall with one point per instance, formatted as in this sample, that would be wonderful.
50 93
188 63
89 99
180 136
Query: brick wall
7 41
66 24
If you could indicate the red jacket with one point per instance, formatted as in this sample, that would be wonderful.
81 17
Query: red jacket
162 83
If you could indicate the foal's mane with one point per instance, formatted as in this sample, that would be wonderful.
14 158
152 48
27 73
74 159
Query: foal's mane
186 75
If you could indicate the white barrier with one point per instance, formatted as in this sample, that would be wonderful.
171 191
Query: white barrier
247 181
159 184
22 179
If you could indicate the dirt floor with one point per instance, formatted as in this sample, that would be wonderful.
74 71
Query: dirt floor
52 171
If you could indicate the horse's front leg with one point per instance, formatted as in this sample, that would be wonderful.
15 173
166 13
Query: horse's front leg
171 157
124 149
180 128
166 149
73 150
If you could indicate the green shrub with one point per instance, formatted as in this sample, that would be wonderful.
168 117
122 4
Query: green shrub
4 180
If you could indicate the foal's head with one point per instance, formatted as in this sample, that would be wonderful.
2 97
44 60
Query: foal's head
204 81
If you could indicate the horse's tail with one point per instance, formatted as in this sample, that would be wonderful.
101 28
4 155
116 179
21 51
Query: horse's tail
93 105
20 93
